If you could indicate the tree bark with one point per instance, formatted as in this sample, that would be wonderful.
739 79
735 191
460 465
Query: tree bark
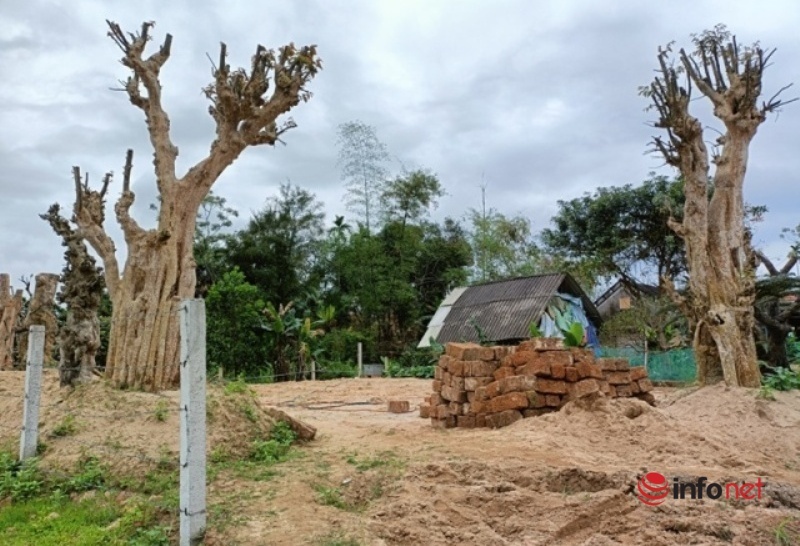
10 307
144 344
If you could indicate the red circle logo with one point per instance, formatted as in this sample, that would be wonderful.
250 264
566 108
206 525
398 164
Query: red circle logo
653 488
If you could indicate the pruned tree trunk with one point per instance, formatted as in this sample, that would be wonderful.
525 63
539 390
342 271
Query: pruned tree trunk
10 307
41 313
159 270
721 272
82 291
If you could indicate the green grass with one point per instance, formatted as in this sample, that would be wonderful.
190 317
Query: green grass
337 539
331 496
384 459
57 521
67 427
787 532
40 507
238 386
162 411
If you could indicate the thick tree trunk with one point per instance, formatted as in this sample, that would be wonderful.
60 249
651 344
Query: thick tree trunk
721 278
79 342
144 345
10 307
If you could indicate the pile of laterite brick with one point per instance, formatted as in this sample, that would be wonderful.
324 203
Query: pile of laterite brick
477 386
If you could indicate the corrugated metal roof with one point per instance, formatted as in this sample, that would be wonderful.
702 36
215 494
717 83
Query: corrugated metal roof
437 321
505 309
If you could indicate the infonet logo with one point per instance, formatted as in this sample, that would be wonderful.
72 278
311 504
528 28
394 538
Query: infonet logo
653 489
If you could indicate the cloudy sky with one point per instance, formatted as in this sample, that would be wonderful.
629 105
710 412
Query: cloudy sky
537 97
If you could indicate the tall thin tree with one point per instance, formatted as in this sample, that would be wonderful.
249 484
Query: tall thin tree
362 158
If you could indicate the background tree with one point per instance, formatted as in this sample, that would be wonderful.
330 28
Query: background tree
653 322
279 248
721 273
213 219
622 232
160 270
235 315
409 198
778 303
502 246
362 158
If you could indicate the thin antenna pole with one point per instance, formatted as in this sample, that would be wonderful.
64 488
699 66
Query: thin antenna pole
483 224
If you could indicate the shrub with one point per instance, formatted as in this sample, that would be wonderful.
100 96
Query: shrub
335 370
782 379
341 345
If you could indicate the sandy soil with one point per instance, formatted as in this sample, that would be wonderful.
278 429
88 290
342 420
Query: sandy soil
391 479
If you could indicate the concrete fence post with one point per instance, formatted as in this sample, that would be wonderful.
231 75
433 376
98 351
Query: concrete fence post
193 422
360 360
33 392
313 370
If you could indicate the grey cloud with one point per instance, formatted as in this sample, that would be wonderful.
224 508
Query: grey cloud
540 97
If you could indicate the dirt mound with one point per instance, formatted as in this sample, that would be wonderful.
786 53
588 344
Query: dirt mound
478 503
130 431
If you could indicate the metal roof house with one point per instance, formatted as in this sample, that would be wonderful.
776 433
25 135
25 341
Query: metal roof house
619 297
504 310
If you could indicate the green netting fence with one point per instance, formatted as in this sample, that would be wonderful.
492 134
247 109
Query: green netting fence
677 365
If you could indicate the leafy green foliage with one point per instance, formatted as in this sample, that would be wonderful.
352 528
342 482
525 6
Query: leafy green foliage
278 248
335 370
35 496
421 372
341 345
19 480
619 229
407 198
276 449
534 330
162 411
502 246
91 475
482 338
793 348
782 379
234 317
214 218
573 335
655 321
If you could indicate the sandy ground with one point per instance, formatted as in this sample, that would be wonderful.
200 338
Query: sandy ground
569 478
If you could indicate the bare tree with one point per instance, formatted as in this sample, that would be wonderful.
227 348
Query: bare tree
160 268
719 258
